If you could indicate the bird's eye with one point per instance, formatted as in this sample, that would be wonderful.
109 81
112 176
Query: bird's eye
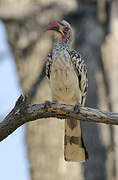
65 29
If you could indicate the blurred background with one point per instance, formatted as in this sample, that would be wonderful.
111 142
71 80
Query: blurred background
35 151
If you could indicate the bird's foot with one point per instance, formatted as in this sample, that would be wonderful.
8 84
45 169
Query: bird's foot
47 104
77 107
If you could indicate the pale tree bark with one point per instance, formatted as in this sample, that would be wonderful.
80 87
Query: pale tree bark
110 59
24 23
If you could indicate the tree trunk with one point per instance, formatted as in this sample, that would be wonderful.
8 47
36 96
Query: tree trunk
110 60
30 46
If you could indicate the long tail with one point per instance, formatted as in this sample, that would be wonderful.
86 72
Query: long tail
74 149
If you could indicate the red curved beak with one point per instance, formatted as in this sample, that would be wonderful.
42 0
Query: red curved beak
52 26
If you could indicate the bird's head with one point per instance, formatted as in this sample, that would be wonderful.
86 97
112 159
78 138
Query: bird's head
62 30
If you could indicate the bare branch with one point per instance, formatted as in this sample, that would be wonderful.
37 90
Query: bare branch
24 112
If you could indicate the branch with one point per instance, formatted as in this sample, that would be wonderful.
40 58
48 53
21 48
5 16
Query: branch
24 112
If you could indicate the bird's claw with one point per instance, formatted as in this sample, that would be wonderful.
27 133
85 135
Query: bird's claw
77 107
47 104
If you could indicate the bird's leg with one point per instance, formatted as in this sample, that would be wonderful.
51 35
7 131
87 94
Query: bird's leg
73 123
47 104
77 107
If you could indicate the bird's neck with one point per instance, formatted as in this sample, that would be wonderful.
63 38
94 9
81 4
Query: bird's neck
60 44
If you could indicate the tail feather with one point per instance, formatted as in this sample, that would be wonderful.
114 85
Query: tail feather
74 149
72 123
86 152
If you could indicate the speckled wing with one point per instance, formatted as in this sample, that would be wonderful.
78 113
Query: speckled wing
48 64
81 70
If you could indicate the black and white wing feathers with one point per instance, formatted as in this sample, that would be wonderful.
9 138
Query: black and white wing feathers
48 64
81 70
